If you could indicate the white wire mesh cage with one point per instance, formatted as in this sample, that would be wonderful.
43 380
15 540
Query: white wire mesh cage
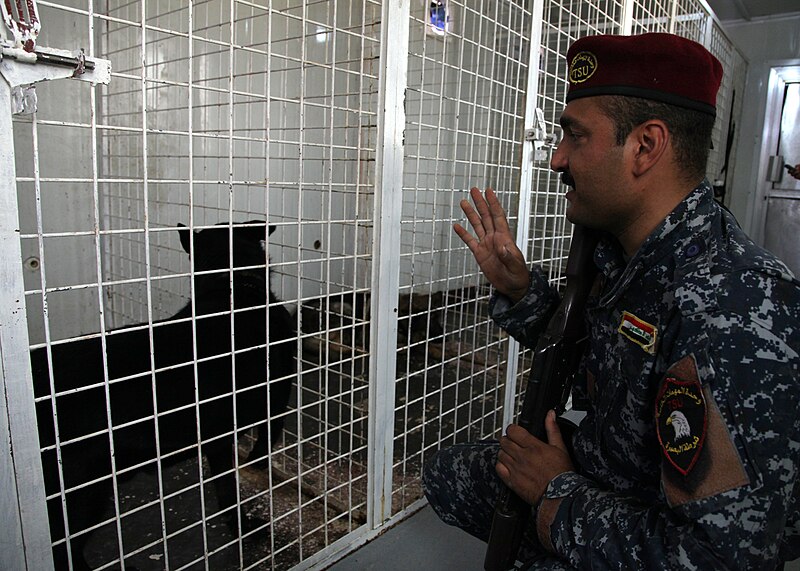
213 381
218 112
465 105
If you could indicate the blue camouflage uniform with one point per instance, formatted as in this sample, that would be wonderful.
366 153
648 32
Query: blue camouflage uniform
689 452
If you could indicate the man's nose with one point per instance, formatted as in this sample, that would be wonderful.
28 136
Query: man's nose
558 162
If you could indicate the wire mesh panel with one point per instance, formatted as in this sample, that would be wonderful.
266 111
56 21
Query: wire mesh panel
453 142
651 16
159 350
277 115
690 20
465 117
465 105
549 238
725 136
563 23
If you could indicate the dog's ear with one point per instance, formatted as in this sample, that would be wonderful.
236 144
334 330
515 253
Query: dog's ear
183 232
272 229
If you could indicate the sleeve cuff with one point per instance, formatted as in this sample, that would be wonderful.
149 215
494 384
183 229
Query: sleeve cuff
560 487
564 485
537 301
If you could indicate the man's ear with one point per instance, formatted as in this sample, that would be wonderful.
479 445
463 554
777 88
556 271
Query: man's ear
653 140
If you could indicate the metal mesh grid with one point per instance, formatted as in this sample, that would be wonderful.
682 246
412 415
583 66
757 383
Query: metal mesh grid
549 234
204 122
465 104
229 110
724 136
690 20
563 23
651 16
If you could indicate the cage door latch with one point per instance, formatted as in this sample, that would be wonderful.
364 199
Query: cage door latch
23 63
541 139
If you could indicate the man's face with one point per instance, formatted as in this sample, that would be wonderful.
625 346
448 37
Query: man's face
594 166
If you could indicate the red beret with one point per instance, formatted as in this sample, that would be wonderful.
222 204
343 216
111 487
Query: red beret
661 67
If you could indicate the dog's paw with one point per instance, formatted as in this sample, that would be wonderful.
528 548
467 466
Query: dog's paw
256 529
258 458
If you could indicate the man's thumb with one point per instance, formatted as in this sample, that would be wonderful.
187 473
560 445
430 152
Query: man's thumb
553 432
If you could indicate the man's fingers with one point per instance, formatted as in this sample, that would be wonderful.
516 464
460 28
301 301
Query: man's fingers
498 215
507 460
517 438
483 209
488 215
519 435
503 472
510 445
475 220
466 237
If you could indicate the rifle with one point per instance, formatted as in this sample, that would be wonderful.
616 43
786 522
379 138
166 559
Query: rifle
555 364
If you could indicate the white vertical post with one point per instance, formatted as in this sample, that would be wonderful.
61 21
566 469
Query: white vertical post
626 26
673 12
386 256
708 32
25 532
526 190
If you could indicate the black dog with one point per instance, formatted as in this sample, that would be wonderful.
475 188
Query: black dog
190 364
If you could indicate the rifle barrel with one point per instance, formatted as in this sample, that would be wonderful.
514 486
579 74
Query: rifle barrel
555 363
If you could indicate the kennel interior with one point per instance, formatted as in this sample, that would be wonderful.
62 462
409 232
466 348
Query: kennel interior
355 128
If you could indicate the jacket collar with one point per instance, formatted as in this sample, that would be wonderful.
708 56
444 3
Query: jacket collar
673 236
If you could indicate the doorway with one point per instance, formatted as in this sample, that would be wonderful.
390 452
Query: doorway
780 226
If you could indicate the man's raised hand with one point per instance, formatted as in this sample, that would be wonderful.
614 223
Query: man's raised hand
493 245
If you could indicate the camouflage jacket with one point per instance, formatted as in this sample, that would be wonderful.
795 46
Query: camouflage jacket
688 456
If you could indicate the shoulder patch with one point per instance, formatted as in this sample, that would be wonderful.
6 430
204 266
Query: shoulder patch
638 331
693 470
681 421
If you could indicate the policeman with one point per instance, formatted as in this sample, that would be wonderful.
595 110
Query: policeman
689 453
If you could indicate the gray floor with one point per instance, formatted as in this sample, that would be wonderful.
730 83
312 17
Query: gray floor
422 542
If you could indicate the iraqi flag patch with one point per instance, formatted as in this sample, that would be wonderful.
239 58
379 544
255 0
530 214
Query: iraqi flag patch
638 331
681 422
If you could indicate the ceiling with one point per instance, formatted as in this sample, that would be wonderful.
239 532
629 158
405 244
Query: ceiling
748 9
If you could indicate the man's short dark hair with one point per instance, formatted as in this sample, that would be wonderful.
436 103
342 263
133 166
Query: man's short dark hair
691 130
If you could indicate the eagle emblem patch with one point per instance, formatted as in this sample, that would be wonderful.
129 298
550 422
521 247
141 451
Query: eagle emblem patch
681 422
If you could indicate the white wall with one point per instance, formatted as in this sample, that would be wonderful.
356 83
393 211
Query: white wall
765 43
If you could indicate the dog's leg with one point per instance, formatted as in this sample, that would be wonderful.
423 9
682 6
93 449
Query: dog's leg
85 510
271 432
260 450
219 454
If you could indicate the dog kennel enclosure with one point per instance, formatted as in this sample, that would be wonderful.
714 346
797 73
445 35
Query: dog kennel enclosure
355 127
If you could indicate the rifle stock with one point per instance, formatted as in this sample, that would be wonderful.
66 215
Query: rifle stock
555 364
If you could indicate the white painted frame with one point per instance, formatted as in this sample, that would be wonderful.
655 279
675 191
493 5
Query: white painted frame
781 73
